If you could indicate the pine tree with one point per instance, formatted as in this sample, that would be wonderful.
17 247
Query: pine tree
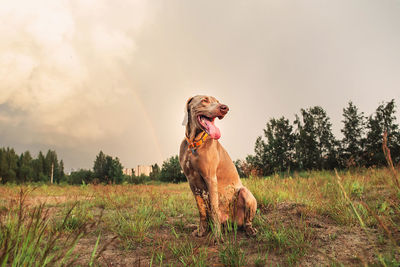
382 120
316 147
38 168
171 170
353 140
280 145
25 169
100 167
115 173
259 161
62 173
3 166
108 175
12 165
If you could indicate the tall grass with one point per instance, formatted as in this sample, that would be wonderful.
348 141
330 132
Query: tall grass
386 151
28 237
394 187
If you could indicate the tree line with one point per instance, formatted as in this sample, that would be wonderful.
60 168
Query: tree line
106 169
109 170
24 168
170 171
308 143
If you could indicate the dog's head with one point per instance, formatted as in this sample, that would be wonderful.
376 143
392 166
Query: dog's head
200 114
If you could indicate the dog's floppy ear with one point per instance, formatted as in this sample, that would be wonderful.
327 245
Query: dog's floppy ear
186 117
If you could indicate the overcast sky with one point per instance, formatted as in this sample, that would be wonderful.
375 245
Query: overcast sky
84 76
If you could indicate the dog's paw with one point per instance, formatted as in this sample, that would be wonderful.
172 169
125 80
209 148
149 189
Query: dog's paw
251 231
199 233
215 239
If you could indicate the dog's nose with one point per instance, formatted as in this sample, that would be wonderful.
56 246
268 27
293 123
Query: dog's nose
224 109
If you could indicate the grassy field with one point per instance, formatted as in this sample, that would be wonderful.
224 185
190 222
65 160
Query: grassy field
307 219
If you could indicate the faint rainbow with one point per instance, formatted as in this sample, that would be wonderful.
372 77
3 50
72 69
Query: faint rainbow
150 125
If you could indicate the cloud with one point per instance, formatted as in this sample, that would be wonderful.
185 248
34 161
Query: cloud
64 79
62 62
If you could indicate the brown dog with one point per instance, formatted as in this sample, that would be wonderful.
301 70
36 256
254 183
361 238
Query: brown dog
212 176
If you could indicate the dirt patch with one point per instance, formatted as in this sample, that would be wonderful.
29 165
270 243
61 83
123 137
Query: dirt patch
331 243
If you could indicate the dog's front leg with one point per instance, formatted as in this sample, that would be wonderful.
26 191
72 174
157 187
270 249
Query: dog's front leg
212 185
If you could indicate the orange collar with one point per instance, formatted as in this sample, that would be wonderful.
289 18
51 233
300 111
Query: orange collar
193 145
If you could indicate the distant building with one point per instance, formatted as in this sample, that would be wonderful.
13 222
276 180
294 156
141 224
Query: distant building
127 171
139 170
143 169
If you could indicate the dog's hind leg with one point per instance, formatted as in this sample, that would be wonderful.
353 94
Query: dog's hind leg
246 210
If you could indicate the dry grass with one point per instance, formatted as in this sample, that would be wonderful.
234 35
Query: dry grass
308 219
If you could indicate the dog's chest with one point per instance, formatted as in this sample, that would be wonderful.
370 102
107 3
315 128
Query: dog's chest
188 168
192 173
187 165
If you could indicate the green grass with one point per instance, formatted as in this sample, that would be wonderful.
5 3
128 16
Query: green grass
187 253
293 241
28 239
231 252
152 224
134 227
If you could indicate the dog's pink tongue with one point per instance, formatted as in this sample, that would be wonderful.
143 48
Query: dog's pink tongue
213 130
